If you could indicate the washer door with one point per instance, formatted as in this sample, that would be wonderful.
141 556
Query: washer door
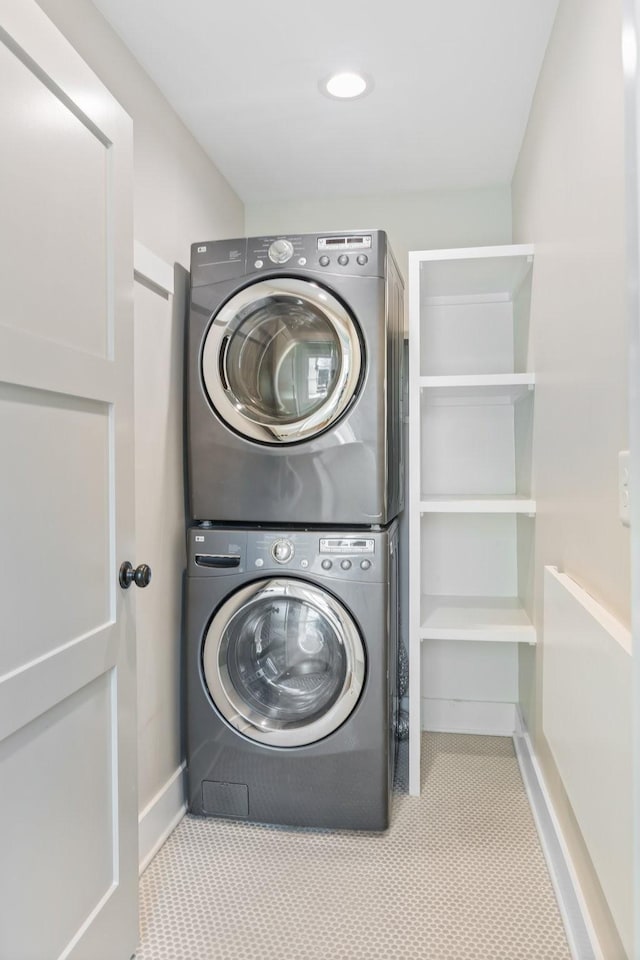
281 361
283 662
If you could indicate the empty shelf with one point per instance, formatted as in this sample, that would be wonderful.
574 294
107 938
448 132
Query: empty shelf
477 504
483 388
489 619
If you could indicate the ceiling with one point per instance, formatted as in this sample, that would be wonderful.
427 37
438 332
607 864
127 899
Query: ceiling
453 84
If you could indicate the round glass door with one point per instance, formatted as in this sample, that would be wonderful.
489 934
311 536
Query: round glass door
283 662
281 360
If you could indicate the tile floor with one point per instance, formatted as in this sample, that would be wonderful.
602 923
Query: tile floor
459 875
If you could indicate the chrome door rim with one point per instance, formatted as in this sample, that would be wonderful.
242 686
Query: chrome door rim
214 354
236 711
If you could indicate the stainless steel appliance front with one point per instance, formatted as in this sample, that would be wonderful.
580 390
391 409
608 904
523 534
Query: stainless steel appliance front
290 676
293 380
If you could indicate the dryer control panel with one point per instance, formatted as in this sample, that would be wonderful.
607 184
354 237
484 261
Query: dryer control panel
353 253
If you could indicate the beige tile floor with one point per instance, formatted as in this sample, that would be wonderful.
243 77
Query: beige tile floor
459 875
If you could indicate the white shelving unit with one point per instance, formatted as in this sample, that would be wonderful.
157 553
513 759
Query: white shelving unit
471 508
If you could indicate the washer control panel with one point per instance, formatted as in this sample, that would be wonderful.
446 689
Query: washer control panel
220 552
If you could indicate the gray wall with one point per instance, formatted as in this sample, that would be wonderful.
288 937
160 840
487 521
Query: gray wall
179 198
568 199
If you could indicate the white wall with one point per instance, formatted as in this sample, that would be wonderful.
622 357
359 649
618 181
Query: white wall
414 221
568 199
179 198
179 195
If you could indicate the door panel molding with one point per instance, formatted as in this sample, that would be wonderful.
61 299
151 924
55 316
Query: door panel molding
68 716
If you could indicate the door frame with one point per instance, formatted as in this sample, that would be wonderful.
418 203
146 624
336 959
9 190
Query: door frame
631 70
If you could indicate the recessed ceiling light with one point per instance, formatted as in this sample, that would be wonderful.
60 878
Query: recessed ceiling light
346 86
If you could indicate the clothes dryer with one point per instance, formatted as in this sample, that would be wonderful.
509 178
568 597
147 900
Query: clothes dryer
294 351
290 675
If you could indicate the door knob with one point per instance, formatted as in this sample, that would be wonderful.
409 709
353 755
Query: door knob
140 575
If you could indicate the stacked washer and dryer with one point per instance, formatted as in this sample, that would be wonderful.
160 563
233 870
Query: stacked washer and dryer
295 475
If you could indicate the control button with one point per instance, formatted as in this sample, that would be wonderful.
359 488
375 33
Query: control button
345 564
326 564
324 261
362 258
302 261
282 551
343 259
365 564
280 251
304 564
259 562
258 264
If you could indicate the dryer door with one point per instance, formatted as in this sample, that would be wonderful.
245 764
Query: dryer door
281 361
284 662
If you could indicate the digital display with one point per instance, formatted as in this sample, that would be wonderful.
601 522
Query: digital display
346 545
345 243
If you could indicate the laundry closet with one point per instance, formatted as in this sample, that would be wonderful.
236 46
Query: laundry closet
517 585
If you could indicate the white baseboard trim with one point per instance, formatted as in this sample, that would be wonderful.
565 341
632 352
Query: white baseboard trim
581 936
161 816
468 716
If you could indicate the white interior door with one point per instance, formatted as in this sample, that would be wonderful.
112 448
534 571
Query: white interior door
68 806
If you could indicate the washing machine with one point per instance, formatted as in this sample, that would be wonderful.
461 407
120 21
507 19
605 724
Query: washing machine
294 351
290 670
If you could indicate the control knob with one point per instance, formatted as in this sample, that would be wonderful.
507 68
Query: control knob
282 551
280 251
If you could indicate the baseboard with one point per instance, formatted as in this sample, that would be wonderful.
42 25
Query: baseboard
161 816
469 716
581 936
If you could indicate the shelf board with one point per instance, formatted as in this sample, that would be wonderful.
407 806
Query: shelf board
485 619
496 387
478 504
